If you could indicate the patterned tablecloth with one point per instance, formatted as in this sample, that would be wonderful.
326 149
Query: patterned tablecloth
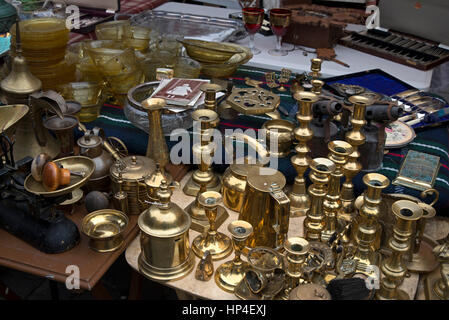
126 7
432 140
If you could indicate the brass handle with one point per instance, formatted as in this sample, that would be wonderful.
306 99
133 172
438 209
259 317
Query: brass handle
252 142
427 192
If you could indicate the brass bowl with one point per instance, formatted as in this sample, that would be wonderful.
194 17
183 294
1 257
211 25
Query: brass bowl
105 229
208 51
282 132
74 163
228 68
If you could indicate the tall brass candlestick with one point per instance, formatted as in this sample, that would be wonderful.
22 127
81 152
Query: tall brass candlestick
320 170
406 213
210 100
356 138
207 120
299 199
339 152
157 147
296 251
368 225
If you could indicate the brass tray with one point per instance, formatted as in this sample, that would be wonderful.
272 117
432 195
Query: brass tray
74 163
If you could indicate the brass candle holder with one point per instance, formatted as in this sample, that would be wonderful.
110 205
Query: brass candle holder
317 86
339 152
406 213
229 274
217 243
299 199
207 120
320 170
315 68
210 91
296 250
157 147
368 226
352 167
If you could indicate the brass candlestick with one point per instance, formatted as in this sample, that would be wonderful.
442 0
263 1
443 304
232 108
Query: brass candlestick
299 199
207 120
339 152
157 147
217 243
320 170
352 167
229 274
210 100
296 250
317 86
315 68
406 213
368 222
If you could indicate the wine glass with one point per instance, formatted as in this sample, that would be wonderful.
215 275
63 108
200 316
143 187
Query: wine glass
253 18
279 21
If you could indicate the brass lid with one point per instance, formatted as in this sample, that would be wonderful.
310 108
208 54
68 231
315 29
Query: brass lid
134 168
310 291
264 179
89 141
154 180
164 220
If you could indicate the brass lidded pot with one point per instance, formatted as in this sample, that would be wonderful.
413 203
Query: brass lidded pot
164 240
91 146
131 171
154 181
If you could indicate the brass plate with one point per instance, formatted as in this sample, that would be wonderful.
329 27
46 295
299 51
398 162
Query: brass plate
75 163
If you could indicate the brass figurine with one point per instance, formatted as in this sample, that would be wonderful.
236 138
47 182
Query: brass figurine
229 274
352 167
320 170
207 120
205 268
210 92
339 152
299 199
367 228
216 242
393 268
157 147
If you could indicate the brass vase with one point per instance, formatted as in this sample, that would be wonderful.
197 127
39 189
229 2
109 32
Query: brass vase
339 152
299 199
352 167
229 274
367 227
394 269
217 243
320 170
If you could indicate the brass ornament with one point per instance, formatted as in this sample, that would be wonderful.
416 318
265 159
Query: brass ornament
253 101
217 243
320 170
352 167
229 274
393 268
339 152
299 199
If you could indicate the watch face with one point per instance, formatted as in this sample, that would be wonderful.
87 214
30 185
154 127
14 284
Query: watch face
398 134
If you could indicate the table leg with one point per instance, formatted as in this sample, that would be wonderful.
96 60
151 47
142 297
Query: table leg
135 286
99 292
7 293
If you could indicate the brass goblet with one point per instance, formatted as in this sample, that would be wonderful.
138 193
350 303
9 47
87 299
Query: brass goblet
279 21
216 242
253 18
229 274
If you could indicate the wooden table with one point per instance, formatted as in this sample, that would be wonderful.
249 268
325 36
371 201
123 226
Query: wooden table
17 254
209 290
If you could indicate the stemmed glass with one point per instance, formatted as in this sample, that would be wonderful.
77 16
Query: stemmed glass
253 18
279 21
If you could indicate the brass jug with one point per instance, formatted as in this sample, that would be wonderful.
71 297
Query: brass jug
266 207
166 253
